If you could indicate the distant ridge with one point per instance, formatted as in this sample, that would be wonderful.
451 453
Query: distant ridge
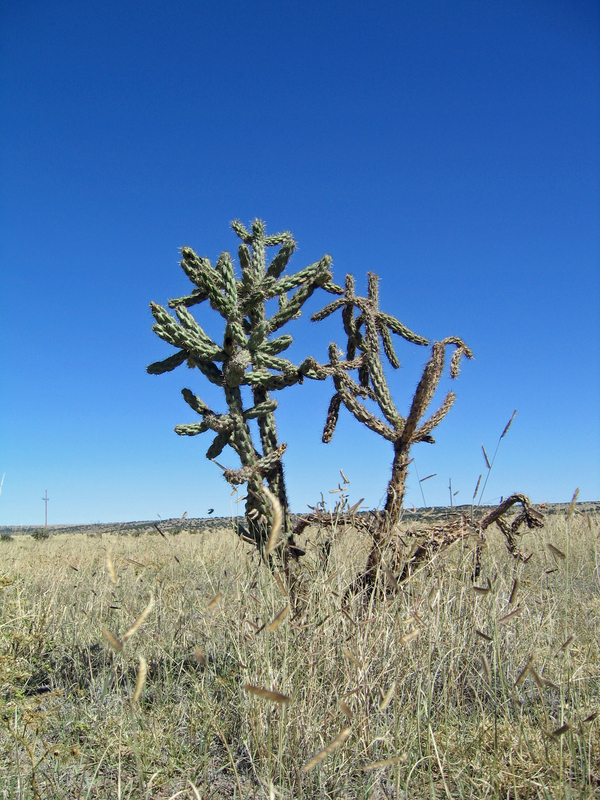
177 525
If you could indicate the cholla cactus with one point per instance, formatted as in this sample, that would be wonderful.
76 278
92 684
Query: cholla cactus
246 357
366 326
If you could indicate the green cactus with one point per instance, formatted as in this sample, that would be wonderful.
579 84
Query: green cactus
366 326
246 357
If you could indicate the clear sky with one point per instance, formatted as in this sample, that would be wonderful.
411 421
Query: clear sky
451 147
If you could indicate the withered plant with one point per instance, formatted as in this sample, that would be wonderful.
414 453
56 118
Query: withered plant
368 329
437 536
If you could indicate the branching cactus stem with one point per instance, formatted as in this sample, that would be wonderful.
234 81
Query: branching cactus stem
247 356
368 331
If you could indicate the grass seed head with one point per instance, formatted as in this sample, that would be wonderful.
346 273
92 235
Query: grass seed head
140 620
215 601
524 671
564 645
110 567
265 694
277 519
558 553
408 637
486 668
487 461
116 645
507 617
508 424
387 699
141 680
322 754
279 618
351 657
387 762
572 503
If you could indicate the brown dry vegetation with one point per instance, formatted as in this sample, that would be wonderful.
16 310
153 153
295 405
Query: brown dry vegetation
419 694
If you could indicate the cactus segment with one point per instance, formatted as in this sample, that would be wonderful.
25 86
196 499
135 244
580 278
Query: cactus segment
328 310
191 430
219 443
277 345
194 402
197 296
333 413
208 369
435 419
388 346
261 409
401 330
168 364
280 261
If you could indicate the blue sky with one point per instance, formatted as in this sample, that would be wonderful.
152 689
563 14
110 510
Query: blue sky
450 147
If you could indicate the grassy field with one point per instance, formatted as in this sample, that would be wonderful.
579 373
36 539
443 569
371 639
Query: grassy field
442 689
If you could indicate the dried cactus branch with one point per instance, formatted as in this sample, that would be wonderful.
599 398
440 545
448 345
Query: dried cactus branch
368 331
532 517
435 419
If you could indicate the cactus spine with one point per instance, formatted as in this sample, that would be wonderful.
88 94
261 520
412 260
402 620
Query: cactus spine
247 356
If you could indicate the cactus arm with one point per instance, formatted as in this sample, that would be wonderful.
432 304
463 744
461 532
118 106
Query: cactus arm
219 443
194 267
362 415
265 361
225 268
194 402
461 350
188 335
300 296
258 336
276 345
168 364
208 369
279 239
434 420
333 413
241 231
259 409
425 391
331 287
280 262
328 310
401 330
266 380
192 429
388 346
306 275
197 296
205 345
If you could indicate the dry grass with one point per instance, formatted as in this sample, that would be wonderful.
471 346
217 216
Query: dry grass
227 684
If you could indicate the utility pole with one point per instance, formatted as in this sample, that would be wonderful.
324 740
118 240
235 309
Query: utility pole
45 499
